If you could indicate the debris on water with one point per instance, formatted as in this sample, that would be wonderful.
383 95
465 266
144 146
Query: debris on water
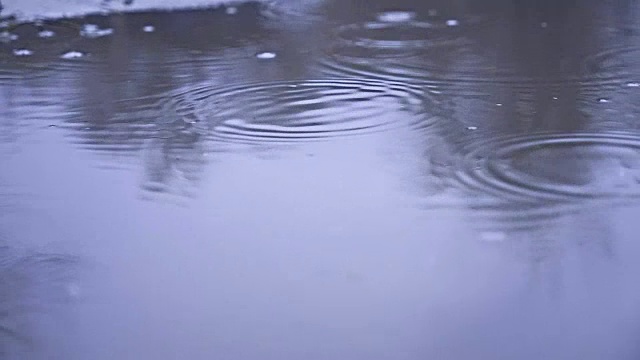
604 100
493 236
543 25
633 84
472 128
266 55
452 22
93 31
148 28
72 55
6 37
46 34
396 16
232 10
22 52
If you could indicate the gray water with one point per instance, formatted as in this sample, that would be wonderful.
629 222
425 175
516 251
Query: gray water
323 180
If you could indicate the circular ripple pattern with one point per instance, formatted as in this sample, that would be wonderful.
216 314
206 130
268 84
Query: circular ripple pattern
556 166
296 111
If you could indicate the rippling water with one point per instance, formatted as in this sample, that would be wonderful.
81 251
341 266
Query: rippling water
322 180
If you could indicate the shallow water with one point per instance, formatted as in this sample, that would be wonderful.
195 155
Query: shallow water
323 180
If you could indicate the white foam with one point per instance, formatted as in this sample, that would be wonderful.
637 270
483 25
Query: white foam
48 9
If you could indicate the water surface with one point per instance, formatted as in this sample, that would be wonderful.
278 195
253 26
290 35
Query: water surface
323 180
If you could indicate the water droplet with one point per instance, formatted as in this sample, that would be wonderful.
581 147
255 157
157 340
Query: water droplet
72 55
603 100
452 22
22 52
472 128
46 34
93 31
633 84
396 16
266 55
148 28
231 10
493 236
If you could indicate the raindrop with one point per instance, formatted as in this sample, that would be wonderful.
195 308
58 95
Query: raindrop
396 16
266 55
148 28
231 10
93 31
452 22
72 55
22 52
46 34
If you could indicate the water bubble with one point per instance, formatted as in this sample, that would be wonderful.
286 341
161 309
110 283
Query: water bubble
46 34
148 28
6 36
231 10
93 31
22 52
266 55
396 16
452 22
72 55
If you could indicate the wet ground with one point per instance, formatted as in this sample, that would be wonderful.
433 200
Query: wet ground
323 180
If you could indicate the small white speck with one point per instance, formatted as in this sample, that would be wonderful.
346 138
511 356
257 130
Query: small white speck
93 31
46 34
266 55
72 55
499 104
555 98
148 28
493 236
396 16
6 36
472 128
543 25
603 100
633 84
452 22
22 52
231 10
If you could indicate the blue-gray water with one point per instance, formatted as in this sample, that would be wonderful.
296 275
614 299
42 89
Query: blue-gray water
323 180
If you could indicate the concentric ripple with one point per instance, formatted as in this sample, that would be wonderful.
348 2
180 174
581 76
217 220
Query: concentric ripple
299 111
556 166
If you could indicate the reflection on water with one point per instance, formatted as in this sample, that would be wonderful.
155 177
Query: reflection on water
324 179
